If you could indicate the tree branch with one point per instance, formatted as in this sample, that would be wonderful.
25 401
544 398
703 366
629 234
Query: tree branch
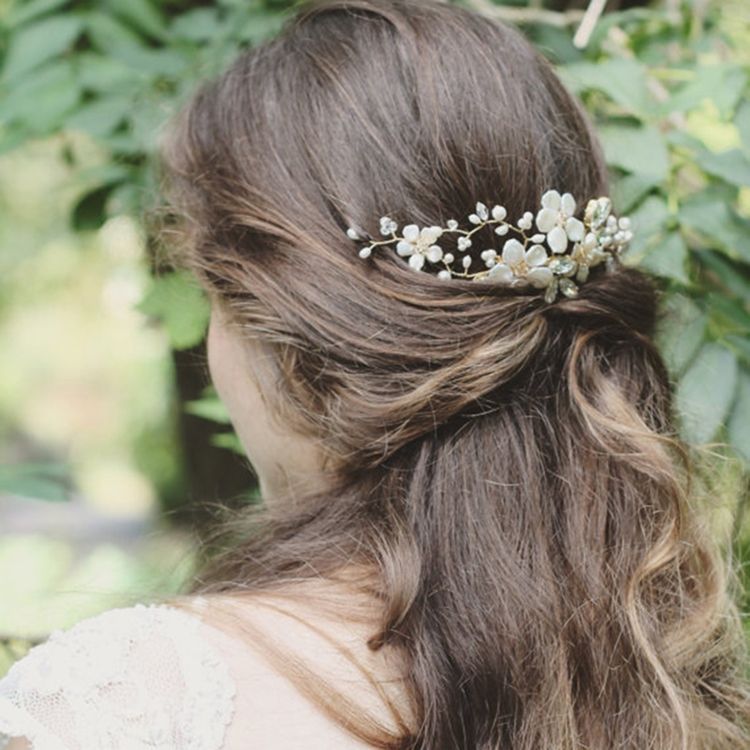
560 19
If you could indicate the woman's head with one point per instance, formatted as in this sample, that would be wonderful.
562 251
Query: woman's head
507 466
415 110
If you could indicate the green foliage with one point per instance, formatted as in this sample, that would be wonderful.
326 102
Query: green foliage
178 302
210 406
42 481
668 92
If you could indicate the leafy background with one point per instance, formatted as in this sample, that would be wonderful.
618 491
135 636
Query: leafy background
112 440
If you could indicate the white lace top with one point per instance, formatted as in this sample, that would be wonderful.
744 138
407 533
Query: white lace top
130 678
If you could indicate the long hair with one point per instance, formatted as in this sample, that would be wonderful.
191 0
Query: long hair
507 470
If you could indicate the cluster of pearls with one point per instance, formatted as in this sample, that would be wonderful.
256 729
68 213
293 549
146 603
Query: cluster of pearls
551 250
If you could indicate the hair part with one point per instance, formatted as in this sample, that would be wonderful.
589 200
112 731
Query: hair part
505 470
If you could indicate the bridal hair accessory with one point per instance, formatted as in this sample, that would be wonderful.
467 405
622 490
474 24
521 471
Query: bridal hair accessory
524 259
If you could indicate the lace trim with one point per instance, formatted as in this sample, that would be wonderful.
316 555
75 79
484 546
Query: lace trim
80 664
15 722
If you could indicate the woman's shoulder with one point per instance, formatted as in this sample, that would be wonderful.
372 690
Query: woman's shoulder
144 675
314 634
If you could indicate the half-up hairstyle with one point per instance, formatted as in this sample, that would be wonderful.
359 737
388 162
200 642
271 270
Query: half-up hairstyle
507 469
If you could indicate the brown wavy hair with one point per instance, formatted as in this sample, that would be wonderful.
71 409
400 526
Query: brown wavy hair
507 470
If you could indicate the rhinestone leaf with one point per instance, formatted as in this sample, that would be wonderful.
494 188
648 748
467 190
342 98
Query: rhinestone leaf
561 265
567 287
597 212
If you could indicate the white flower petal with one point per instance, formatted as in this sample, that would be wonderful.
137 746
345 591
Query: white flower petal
430 234
502 230
575 229
404 248
551 199
444 275
410 232
526 221
434 253
499 213
513 251
568 204
536 255
501 273
590 241
482 211
416 261
557 239
546 219
540 276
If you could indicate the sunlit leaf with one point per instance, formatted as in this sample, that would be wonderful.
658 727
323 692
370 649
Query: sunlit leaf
209 408
228 440
623 80
179 303
722 84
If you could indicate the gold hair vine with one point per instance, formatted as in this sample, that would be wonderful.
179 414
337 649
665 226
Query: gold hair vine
524 260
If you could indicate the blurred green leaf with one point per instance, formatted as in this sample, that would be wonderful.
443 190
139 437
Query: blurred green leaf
738 428
741 346
623 80
680 331
722 84
209 408
176 300
638 150
259 24
33 45
197 25
668 257
42 100
650 222
742 121
732 166
141 14
726 315
717 226
111 37
90 211
704 409
41 481
30 10
228 440
726 273
629 190
101 116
